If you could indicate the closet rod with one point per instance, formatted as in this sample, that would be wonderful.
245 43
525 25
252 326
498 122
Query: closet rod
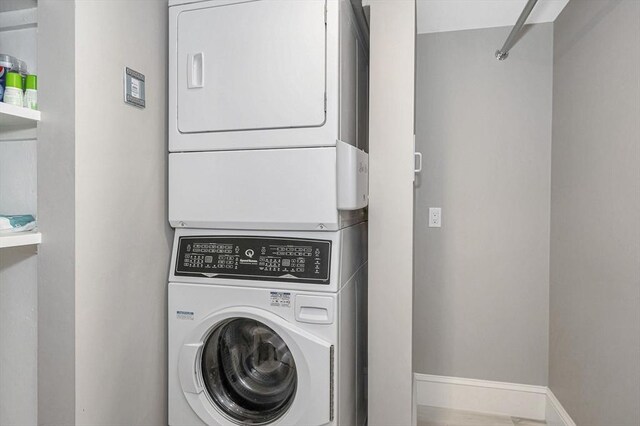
503 53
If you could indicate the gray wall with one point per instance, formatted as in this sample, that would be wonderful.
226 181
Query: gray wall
391 106
122 235
481 281
595 204
56 213
8 5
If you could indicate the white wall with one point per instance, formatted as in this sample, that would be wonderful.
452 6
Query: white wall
18 286
18 266
122 234
18 336
392 59
446 15
104 259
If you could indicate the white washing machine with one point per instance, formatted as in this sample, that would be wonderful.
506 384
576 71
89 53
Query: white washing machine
268 328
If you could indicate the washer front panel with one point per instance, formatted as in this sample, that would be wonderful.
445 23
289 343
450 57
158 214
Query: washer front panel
254 258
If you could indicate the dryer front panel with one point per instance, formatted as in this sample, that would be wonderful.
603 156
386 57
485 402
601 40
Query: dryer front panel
251 65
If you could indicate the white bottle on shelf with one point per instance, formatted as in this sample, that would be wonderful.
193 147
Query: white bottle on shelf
13 89
31 92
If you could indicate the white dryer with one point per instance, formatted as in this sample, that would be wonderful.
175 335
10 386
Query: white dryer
268 114
268 328
266 74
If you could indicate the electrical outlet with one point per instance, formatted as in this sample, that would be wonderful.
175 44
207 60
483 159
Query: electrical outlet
435 217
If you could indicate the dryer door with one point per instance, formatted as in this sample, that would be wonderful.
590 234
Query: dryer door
252 367
251 65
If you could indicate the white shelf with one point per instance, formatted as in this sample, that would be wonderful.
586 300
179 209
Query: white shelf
14 118
15 239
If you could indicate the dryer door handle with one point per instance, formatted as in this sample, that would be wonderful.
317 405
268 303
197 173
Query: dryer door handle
187 369
195 71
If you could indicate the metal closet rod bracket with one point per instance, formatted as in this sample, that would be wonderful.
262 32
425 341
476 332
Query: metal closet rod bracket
502 54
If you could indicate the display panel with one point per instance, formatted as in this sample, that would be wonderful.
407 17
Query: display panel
253 258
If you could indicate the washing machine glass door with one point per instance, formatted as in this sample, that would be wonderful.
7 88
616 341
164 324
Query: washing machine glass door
249 371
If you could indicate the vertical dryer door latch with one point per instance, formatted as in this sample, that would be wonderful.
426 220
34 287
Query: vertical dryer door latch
195 71
353 177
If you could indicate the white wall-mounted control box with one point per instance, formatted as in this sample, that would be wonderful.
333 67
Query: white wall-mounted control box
353 177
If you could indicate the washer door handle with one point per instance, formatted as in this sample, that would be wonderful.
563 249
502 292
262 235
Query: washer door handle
187 368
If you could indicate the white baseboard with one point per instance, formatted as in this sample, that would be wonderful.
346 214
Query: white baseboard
556 414
485 396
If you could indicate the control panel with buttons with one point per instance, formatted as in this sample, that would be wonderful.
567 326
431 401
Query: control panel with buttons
254 258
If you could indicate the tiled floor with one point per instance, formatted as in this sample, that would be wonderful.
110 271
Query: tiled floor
432 416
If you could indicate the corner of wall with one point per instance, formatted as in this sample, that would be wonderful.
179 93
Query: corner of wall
56 212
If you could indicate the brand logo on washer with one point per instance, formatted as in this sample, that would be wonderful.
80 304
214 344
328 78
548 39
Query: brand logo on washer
249 253
184 315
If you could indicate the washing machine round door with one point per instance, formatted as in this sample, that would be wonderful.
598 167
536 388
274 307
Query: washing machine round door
248 371
248 366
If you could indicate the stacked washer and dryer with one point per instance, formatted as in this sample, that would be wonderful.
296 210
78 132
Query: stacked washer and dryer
268 185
